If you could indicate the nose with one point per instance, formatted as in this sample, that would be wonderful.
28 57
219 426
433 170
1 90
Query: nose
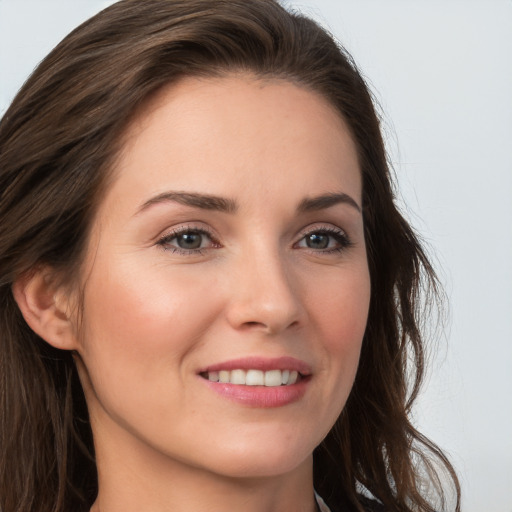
263 294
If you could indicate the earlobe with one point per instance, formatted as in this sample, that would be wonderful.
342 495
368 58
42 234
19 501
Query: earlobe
46 308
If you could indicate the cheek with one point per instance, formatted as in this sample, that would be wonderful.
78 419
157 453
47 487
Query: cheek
140 329
337 306
138 320
340 306
339 315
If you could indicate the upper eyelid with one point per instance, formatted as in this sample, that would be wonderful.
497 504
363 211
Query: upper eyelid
322 226
176 231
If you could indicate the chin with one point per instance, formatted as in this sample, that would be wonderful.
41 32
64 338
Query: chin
261 460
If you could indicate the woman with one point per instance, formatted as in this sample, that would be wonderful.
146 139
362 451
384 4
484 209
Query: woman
209 299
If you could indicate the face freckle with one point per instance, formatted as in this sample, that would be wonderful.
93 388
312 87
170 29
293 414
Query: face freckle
231 240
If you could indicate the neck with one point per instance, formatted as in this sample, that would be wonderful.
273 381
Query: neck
185 491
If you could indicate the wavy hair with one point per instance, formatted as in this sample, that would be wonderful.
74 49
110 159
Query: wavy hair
58 142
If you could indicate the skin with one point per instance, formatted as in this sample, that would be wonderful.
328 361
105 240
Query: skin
154 316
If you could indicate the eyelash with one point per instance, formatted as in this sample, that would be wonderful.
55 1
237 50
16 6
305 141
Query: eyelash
165 241
340 237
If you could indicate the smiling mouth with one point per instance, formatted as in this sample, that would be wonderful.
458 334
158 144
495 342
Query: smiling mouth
270 378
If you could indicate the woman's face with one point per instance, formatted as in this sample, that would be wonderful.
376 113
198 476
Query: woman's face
229 248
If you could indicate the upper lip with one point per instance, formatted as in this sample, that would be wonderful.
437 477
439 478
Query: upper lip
261 363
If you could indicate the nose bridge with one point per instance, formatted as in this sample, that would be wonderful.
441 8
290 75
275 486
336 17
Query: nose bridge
263 293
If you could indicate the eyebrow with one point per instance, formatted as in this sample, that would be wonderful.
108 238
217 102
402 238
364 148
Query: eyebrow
203 201
326 201
221 204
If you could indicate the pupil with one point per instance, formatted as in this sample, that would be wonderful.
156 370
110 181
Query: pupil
189 241
317 241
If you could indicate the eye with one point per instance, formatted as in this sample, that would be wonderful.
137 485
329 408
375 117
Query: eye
325 240
187 241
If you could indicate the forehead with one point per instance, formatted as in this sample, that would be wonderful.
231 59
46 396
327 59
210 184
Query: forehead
219 134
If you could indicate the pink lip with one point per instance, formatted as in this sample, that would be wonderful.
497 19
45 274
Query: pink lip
260 396
261 363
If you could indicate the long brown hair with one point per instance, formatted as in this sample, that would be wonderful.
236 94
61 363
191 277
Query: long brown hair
58 141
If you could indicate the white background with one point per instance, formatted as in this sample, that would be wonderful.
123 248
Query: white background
442 72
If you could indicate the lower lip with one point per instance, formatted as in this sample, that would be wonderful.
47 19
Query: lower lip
260 396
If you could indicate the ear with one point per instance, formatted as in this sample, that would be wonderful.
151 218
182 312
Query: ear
47 309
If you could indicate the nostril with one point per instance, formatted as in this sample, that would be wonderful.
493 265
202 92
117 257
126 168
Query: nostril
251 325
269 328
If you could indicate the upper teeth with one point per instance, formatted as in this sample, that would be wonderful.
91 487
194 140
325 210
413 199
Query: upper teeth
255 377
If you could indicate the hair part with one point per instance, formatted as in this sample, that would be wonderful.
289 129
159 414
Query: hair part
59 141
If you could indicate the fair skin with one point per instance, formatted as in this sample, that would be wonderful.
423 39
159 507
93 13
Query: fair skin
179 287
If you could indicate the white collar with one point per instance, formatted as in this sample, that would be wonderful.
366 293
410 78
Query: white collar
321 504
